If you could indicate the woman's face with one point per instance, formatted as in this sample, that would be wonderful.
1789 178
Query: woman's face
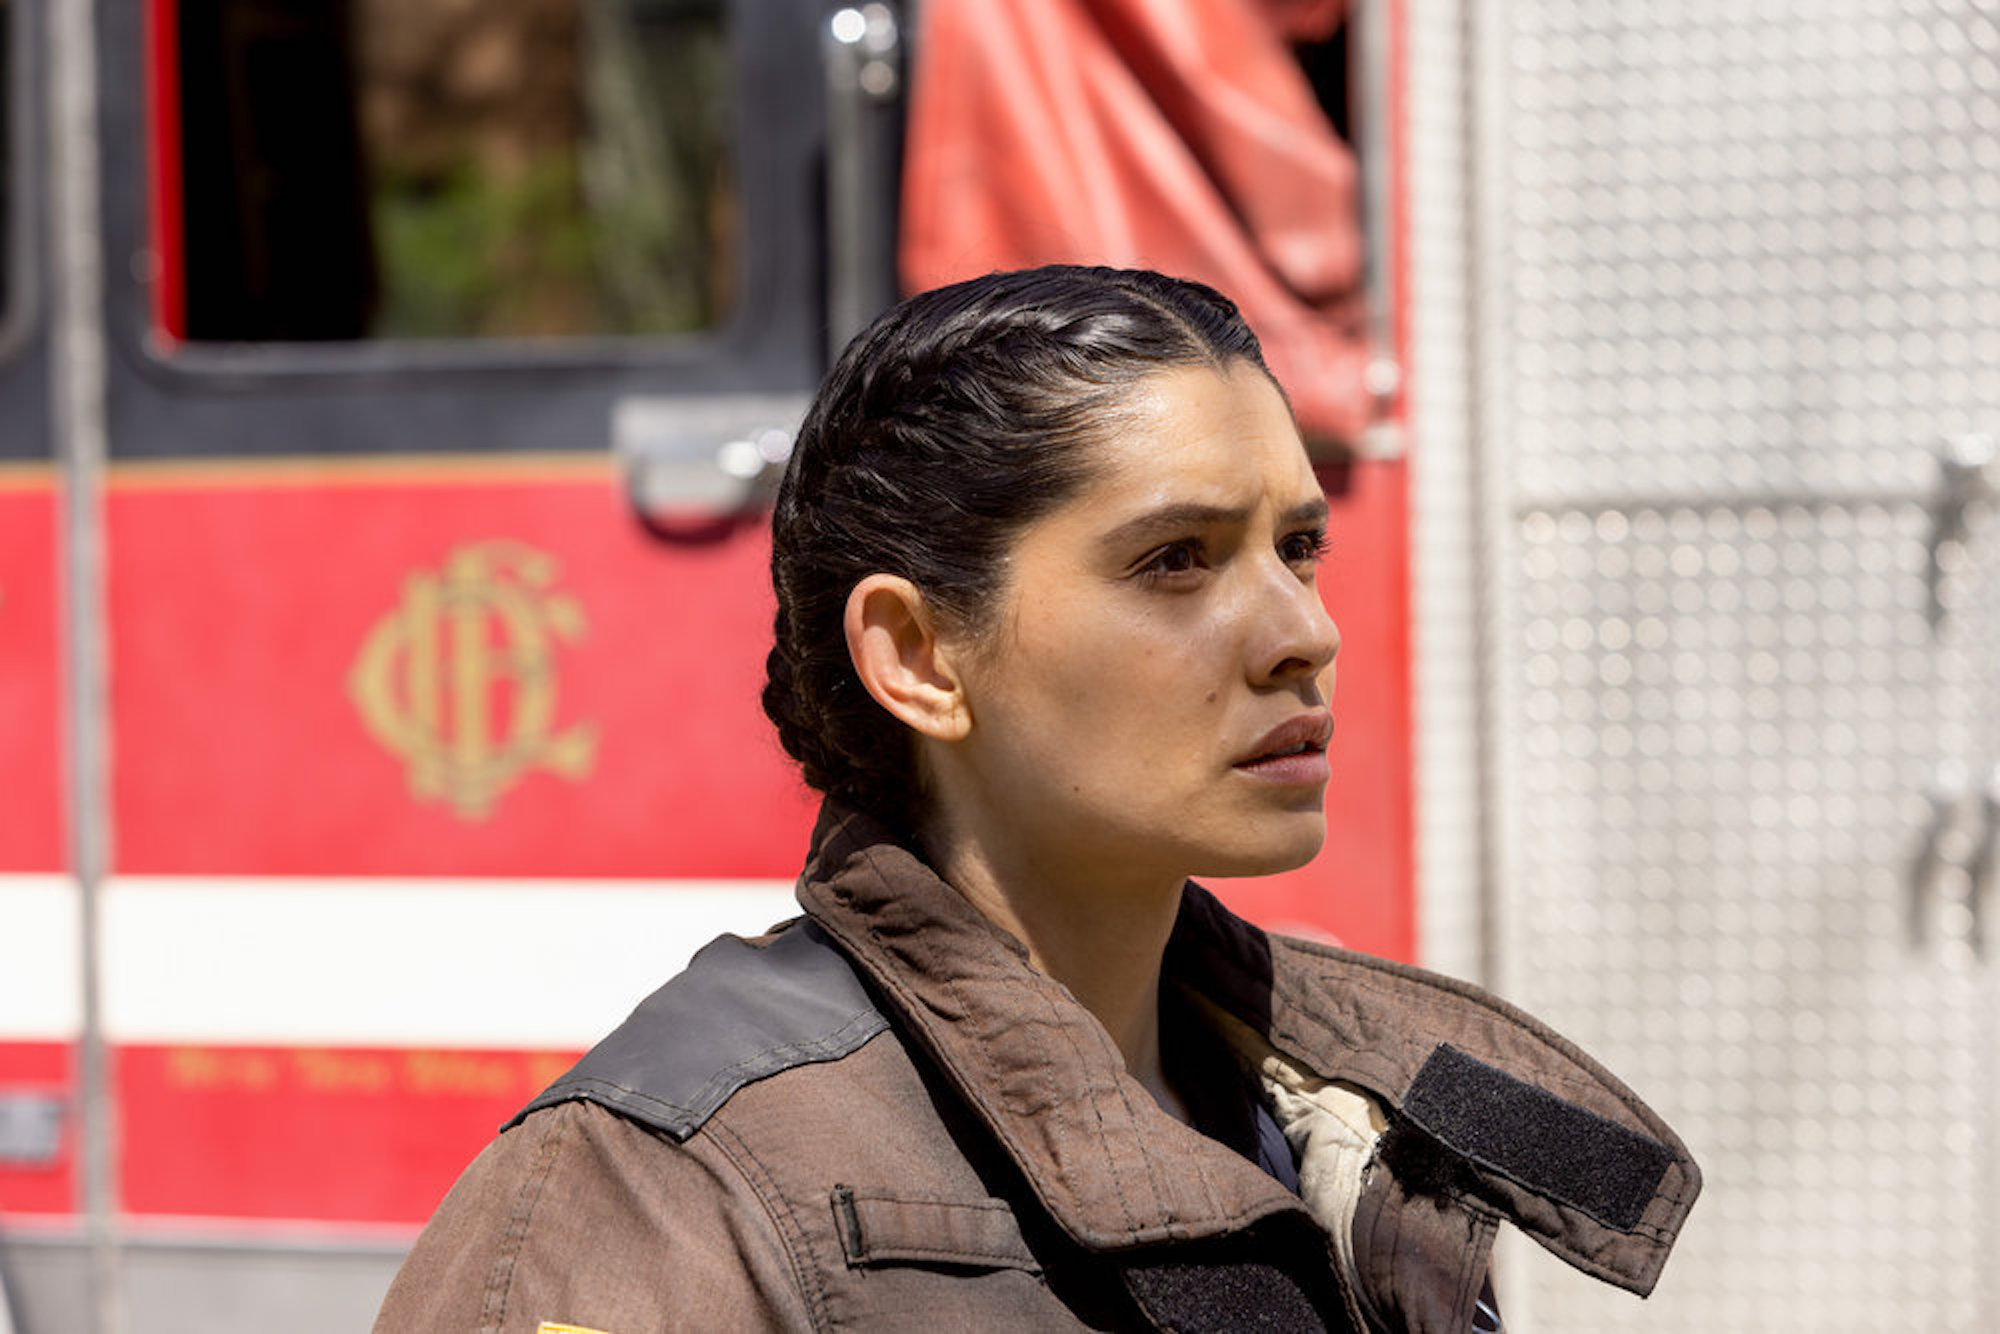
1152 697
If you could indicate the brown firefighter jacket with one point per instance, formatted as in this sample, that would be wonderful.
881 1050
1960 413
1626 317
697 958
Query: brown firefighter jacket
882 1117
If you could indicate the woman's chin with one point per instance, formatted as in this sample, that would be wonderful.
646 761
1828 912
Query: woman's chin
1279 850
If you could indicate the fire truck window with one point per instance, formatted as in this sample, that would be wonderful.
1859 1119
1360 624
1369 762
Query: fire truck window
1327 68
433 169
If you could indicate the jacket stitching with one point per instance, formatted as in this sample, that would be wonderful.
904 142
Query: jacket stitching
996 1259
1638 1229
994 1206
815 1051
980 1050
500 1280
1472 1275
1674 1191
1376 976
948 1255
763 1065
1393 1061
910 1006
1096 1108
1583 1261
870 857
1021 1258
791 1236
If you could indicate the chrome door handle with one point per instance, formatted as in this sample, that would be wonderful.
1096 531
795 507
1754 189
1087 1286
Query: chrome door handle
1956 809
1967 475
1944 795
702 458
1979 867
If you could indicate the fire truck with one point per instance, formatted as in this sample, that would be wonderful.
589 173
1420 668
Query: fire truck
389 396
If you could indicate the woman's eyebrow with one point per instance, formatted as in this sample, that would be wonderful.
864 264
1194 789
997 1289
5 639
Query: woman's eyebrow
1175 519
1315 510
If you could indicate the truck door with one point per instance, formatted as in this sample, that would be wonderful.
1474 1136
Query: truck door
39 960
443 349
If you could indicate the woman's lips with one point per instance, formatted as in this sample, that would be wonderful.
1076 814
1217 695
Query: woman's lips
1308 768
1292 753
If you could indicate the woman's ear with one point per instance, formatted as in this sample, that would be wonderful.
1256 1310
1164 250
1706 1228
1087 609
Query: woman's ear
894 645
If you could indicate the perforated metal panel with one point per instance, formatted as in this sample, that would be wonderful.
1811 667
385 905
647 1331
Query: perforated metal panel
1739 273
1727 721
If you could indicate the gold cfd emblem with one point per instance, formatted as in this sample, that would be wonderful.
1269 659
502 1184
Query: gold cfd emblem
460 680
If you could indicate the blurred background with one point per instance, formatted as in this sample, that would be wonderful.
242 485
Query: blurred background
389 396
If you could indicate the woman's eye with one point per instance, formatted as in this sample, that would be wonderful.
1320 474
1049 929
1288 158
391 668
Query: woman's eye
1174 558
1303 548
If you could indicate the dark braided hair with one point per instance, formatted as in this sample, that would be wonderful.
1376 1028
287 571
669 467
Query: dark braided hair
951 423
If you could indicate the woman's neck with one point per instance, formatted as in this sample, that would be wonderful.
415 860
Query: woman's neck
1102 937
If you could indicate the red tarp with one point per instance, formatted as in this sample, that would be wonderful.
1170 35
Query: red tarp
1180 135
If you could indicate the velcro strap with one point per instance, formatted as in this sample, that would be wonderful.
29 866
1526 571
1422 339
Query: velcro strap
1552 1147
1222 1295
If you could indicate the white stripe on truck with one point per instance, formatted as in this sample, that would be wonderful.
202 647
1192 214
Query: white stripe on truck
362 962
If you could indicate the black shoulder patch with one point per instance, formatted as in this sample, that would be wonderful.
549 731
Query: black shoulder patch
738 1014
1554 1148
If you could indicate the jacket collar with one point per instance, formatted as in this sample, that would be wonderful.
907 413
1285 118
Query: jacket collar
1485 1101
1032 1063
1050 1084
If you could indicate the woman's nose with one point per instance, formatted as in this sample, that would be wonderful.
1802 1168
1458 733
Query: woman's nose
1302 638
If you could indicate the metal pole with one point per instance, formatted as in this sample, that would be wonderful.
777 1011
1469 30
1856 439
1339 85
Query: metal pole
1482 113
78 401
1371 60
862 47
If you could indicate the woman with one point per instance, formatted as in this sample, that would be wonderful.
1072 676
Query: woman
1048 641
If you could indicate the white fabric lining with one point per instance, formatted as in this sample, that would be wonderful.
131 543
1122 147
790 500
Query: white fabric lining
1333 1127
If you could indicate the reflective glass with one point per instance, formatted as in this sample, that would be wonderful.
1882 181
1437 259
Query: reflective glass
434 169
